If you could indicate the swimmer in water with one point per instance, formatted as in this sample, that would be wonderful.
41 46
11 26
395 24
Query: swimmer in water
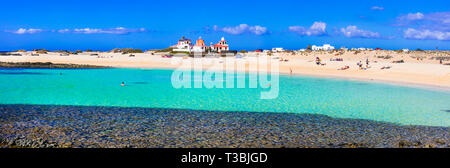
123 84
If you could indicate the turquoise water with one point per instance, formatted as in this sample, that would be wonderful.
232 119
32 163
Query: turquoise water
153 88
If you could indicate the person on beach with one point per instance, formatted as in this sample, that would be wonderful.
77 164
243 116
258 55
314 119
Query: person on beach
367 63
317 60
344 68
291 71
123 84
360 65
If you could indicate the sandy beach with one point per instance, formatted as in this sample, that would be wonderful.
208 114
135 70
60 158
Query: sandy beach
419 68
54 111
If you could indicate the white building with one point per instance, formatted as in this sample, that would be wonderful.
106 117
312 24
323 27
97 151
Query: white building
326 47
360 49
279 49
221 46
199 46
184 45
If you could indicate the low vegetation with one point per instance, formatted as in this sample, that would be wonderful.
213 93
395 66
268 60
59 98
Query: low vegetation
180 52
127 50
385 57
41 51
170 49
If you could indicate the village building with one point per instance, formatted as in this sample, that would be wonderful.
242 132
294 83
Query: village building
325 47
185 45
199 46
221 46
279 49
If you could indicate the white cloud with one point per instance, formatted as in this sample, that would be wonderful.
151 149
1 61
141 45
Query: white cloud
317 29
26 31
411 33
410 18
377 8
415 16
429 26
63 31
118 30
258 30
354 32
241 29
437 21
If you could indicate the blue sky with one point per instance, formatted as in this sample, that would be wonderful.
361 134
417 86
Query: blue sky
104 25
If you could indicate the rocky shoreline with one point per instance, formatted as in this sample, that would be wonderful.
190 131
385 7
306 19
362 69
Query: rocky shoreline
48 65
46 126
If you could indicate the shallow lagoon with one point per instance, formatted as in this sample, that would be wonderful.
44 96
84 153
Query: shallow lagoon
153 89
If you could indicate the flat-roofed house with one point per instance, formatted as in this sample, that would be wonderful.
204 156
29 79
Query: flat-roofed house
199 46
184 45
221 46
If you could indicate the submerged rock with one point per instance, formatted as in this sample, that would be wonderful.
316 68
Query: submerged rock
39 126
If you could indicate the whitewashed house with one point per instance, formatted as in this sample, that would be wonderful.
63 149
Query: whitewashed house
199 46
184 45
278 49
221 46
326 47
359 49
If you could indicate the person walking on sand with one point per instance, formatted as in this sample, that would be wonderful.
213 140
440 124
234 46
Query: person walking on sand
367 63
290 70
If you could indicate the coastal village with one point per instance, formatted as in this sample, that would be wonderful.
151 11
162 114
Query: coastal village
402 65
429 68
185 45
224 78
418 68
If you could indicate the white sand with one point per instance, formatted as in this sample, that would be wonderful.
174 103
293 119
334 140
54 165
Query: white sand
424 72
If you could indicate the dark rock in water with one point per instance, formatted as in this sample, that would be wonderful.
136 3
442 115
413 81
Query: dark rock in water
45 65
353 145
417 144
41 126
440 141
22 73
430 146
